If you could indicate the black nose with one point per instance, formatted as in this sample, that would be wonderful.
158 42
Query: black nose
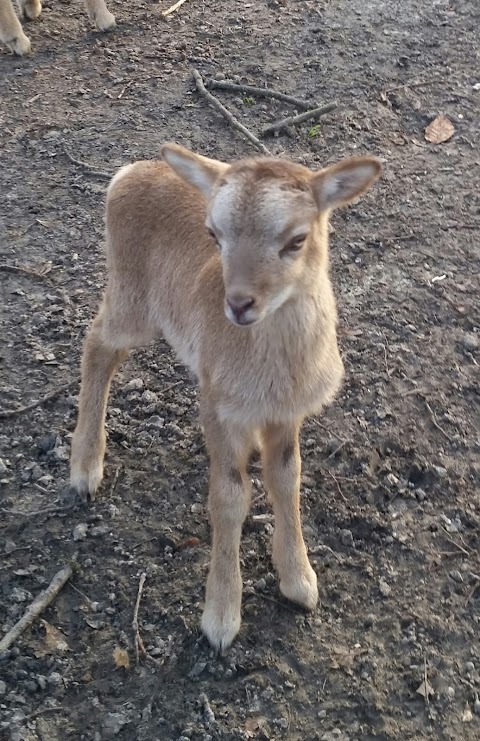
240 304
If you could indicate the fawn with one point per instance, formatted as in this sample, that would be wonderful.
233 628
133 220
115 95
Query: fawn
11 32
229 262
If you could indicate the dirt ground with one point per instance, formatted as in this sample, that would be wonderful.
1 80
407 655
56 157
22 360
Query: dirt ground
391 471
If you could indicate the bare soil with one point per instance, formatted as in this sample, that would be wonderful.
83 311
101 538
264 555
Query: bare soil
391 471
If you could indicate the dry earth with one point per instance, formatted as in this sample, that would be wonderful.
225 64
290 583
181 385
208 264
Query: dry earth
391 471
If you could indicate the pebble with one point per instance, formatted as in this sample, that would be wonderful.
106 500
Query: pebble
155 421
450 692
440 471
469 667
113 724
80 531
261 584
3 466
385 589
61 453
346 537
196 508
470 341
476 705
149 396
54 679
136 384
456 576
3 688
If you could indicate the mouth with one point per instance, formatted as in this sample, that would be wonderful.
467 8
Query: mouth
243 320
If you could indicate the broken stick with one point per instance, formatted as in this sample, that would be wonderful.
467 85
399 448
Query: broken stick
37 607
275 128
7 413
139 646
173 8
263 92
226 114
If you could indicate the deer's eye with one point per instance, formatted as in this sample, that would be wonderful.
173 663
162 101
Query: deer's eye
294 245
214 237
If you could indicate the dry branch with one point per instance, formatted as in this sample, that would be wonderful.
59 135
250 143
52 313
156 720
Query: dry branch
84 165
8 413
226 114
263 92
136 633
37 607
314 113
173 8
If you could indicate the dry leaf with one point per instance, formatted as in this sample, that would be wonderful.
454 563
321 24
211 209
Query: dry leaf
53 642
253 726
425 689
120 658
439 130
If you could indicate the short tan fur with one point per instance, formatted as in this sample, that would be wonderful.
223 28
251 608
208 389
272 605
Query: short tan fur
229 262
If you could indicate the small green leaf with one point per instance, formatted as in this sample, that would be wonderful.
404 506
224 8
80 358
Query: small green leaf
314 131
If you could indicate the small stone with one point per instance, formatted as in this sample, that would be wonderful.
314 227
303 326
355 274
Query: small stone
3 688
476 705
113 724
155 422
450 692
54 679
196 508
149 396
421 495
31 686
3 466
346 537
261 584
47 443
456 576
112 510
61 453
469 667
136 384
322 714
80 531
440 471
41 681
470 341
385 589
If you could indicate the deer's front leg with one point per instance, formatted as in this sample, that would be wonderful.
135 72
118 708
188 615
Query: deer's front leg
229 500
281 461
100 15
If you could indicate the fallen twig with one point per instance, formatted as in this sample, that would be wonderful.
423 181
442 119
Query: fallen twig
412 84
139 645
37 607
173 8
454 542
263 92
115 479
434 421
7 413
226 114
91 170
25 271
276 127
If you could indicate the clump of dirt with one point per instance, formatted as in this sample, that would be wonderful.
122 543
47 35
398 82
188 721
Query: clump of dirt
391 471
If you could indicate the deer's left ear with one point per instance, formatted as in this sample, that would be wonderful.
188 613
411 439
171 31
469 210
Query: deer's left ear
340 184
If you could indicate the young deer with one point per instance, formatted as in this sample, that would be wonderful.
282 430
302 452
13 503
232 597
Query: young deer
11 32
230 264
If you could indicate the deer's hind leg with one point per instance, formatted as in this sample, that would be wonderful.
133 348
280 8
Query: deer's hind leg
103 353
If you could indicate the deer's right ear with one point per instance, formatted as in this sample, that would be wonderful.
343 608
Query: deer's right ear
197 170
